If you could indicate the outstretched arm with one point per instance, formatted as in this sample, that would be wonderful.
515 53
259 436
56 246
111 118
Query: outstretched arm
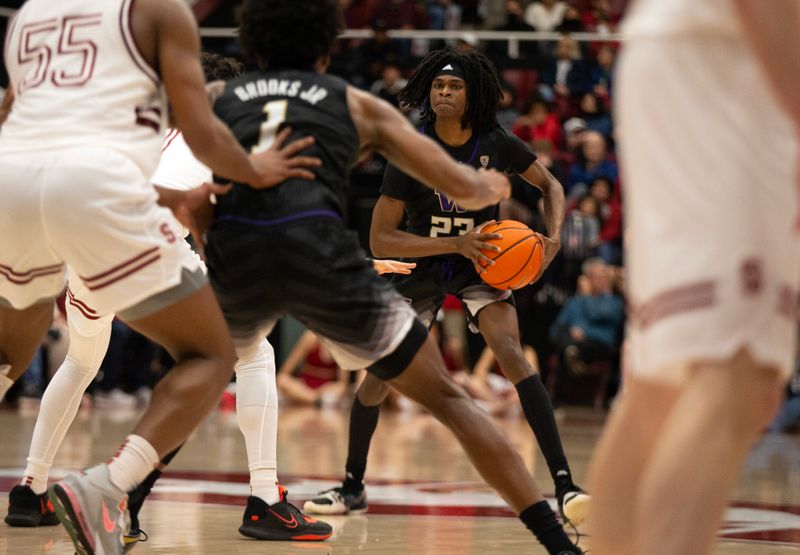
381 127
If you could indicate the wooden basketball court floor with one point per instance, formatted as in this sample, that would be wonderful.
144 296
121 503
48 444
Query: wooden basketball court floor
425 498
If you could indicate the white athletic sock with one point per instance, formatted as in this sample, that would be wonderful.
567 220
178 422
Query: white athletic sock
257 412
60 403
134 460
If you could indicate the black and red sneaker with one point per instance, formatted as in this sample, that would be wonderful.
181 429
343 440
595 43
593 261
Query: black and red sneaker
25 508
281 521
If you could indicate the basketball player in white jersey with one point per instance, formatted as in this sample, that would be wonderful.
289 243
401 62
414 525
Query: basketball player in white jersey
83 136
89 332
708 97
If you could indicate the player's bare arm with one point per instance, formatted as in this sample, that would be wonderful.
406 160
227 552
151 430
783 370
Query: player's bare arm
386 239
383 128
771 29
553 194
170 43
192 208
5 106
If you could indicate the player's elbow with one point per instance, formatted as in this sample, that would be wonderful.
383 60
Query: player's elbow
378 245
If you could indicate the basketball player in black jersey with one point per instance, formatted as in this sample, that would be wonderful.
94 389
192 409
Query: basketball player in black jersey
286 251
459 94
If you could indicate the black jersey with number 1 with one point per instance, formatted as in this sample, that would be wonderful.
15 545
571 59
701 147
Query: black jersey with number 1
431 213
257 106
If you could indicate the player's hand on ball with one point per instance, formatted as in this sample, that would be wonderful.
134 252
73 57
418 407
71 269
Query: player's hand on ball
393 266
279 163
473 242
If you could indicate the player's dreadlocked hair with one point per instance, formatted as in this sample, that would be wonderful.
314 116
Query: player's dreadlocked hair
480 76
288 34
220 68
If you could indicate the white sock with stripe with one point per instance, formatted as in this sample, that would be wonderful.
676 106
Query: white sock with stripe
134 460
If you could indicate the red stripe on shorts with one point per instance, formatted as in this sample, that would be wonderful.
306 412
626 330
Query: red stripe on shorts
23 278
673 301
146 262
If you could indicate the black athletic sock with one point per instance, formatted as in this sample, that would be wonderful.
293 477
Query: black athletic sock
137 496
540 519
539 413
363 421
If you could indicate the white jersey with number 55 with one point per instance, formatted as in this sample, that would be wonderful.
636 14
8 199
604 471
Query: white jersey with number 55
79 80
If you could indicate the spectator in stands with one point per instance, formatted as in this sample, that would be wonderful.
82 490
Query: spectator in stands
545 15
592 162
538 122
566 75
610 245
526 53
390 84
589 326
374 54
309 375
359 14
600 17
546 154
574 129
580 238
593 111
507 114
444 15
572 22
601 74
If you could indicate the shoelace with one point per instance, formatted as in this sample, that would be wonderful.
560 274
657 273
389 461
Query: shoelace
578 536
139 533
335 495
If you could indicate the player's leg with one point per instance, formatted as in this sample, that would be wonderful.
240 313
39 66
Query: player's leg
89 334
426 381
123 247
499 326
722 410
619 461
257 411
31 274
203 355
21 333
350 497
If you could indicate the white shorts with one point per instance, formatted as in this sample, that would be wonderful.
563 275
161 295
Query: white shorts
94 210
708 161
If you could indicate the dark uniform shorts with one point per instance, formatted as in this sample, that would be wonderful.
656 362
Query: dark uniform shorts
314 270
435 277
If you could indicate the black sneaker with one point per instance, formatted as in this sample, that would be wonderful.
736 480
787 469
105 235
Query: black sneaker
25 508
337 501
573 504
280 521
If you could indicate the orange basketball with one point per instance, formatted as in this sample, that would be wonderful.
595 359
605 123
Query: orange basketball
520 258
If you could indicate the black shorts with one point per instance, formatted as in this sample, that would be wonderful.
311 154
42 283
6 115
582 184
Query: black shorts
435 277
315 271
